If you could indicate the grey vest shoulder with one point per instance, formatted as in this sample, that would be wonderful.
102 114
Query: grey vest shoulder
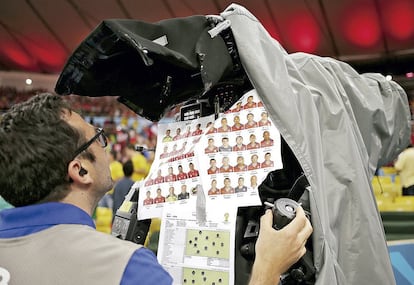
66 254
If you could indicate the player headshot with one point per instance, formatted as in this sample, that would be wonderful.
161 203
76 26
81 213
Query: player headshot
267 141
171 197
254 164
225 166
225 146
192 172
170 177
240 166
148 200
251 123
159 198
214 190
239 146
177 134
210 129
159 179
252 142
183 194
250 103
237 108
213 169
264 121
198 131
167 137
227 189
224 126
181 175
240 186
211 148
253 181
267 161
237 126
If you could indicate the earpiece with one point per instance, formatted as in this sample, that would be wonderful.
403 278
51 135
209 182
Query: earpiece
83 171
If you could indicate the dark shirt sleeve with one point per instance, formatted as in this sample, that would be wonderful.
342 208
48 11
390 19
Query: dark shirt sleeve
143 268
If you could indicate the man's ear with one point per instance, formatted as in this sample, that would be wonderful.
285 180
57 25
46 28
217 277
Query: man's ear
77 173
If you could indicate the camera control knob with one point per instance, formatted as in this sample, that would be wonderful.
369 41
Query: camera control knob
284 211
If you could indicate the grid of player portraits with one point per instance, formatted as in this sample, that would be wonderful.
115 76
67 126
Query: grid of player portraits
176 174
241 148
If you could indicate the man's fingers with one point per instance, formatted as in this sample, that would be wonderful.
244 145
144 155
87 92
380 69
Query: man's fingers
299 221
267 219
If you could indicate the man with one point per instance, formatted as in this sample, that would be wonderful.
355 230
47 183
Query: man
227 189
250 103
167 137
177 134
171 197
54 170
123 186
211 148
240 185
405 167
252 144
239 146
267 161
192 172
181 174
141 165
267 140
170 177
264 121
225 165
213 169
251 123
214 190
224 126
237 126
254 162
57 170
240 166
159 198
225 146
148 200
183 194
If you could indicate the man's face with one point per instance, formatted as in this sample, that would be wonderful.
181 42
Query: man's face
225 160
253 180
99 169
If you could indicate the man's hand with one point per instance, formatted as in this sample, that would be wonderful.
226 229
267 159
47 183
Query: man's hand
276 250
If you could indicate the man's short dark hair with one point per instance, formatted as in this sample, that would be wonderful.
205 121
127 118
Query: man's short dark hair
36 146
128 168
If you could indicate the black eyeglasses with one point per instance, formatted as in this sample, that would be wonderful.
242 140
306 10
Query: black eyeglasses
100 136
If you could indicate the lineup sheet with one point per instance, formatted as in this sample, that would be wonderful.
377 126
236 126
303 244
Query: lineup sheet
198 252
217 163
229 157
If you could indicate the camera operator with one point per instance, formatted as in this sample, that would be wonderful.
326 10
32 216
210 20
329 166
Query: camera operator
54 170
